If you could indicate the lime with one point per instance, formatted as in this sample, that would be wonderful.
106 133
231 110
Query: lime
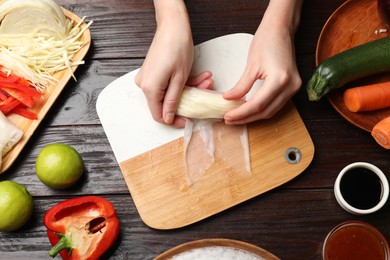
59 166
16 205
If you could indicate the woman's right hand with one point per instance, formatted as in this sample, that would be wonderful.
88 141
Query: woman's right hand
168 62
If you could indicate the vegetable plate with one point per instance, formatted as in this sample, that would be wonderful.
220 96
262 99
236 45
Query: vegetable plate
352 24
43 105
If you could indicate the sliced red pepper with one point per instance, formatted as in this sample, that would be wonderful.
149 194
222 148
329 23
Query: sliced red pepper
24 112
16 93
19 95
21 85
29 89
82 227
3 95
11 78
8 105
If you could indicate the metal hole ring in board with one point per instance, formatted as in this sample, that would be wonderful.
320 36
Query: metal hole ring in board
293 155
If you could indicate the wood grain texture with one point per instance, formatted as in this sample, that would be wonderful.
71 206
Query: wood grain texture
158 177
290 221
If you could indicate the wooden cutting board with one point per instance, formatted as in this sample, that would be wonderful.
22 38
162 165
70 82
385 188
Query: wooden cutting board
150 155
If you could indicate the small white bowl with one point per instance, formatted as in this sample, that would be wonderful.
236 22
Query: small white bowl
384 191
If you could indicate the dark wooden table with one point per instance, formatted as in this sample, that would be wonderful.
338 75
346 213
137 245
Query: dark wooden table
290 221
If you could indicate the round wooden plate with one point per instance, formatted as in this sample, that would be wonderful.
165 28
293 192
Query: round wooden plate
353 23
203 243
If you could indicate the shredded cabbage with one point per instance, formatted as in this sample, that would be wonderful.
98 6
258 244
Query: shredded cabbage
37 40
32 16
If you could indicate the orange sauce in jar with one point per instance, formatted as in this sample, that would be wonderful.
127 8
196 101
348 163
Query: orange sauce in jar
355 240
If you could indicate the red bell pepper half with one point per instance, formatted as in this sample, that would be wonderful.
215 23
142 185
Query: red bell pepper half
82 227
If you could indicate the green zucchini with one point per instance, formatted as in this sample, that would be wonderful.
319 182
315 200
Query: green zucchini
364 60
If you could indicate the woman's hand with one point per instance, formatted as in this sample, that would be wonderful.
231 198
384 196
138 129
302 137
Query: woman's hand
168 62
271 58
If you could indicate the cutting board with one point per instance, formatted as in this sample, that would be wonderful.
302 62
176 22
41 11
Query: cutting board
150 155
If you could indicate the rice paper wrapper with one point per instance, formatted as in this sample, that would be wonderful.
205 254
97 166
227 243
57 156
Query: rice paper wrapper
212 143
9 135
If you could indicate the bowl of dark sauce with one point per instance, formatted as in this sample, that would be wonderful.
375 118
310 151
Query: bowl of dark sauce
361 188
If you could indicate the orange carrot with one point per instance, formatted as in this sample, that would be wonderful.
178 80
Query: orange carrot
381 132
367 98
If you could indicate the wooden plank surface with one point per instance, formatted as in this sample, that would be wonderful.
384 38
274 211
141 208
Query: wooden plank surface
290 221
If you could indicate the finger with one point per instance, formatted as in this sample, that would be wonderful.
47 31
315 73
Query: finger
196 80
171 99
268 112
154 90
242 87
258 102
269 109
138 77
155 106
206 84
242 113
179 122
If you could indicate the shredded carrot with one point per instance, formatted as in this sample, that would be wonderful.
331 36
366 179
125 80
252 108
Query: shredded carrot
381 132
367 98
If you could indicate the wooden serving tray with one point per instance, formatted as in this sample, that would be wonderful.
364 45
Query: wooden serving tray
150 155
42 106
354 23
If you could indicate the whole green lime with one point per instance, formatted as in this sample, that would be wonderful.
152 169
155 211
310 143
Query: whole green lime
16 206
59 166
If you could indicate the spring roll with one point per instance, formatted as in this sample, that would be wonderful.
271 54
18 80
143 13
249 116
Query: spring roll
9 135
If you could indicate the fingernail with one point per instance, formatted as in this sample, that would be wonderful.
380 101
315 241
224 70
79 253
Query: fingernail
168 118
